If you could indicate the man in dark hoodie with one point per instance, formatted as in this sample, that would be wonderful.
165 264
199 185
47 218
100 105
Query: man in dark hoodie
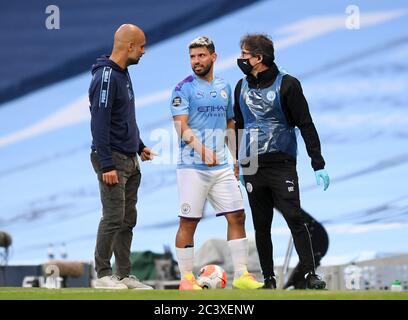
116 141
269 104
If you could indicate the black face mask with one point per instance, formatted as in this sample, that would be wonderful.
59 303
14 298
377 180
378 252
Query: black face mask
245 66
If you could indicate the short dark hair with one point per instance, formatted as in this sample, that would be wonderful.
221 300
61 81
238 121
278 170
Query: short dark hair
202 42
259 44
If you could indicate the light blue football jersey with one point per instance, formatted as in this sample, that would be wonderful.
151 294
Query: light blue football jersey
209 107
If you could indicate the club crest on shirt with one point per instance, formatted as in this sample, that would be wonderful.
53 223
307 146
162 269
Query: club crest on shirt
271 95
176 101
185 208
224 94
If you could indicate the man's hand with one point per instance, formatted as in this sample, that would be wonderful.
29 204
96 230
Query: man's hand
147 154
110 177
209 157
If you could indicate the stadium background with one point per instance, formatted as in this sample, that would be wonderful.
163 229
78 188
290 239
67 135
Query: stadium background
355 80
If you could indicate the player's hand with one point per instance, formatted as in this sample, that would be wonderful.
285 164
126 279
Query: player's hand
110 177
147 154
236 171
209 157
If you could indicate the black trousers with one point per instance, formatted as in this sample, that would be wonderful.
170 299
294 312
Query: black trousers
320 243
277 186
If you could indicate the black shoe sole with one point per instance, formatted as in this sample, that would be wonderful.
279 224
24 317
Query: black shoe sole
321 286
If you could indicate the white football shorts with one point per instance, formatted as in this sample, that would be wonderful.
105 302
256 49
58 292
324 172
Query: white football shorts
219 187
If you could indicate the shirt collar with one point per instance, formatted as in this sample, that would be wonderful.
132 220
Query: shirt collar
267 76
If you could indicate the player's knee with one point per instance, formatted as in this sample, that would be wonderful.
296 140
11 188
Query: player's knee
188 224
237 218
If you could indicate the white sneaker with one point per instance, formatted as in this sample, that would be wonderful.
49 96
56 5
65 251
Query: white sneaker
132 282
109 282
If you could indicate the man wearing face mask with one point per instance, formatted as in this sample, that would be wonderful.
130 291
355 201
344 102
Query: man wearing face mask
269 104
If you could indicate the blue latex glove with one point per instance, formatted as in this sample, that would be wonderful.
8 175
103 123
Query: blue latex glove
322 174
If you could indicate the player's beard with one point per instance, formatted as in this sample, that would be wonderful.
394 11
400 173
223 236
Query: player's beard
204 71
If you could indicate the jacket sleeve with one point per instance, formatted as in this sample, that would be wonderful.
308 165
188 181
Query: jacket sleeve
102 93
297 109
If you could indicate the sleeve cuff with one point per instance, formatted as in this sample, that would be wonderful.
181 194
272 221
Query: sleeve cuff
107 169
318 167
180 113
141 147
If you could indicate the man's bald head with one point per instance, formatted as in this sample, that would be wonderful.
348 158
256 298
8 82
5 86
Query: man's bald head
129 43
127 33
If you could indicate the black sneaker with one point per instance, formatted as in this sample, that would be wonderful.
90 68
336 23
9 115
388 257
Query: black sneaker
313 281
269 283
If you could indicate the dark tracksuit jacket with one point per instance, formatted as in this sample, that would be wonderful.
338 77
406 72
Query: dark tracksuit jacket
112 106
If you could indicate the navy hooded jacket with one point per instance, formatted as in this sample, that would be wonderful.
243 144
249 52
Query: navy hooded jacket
113 122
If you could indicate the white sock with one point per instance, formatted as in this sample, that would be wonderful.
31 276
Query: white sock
239 254
185 258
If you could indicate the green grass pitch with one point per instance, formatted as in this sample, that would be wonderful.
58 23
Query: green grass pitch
227 294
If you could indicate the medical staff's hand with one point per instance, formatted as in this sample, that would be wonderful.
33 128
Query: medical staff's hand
322 174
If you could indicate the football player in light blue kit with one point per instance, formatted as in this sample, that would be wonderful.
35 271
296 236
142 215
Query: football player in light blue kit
202 110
